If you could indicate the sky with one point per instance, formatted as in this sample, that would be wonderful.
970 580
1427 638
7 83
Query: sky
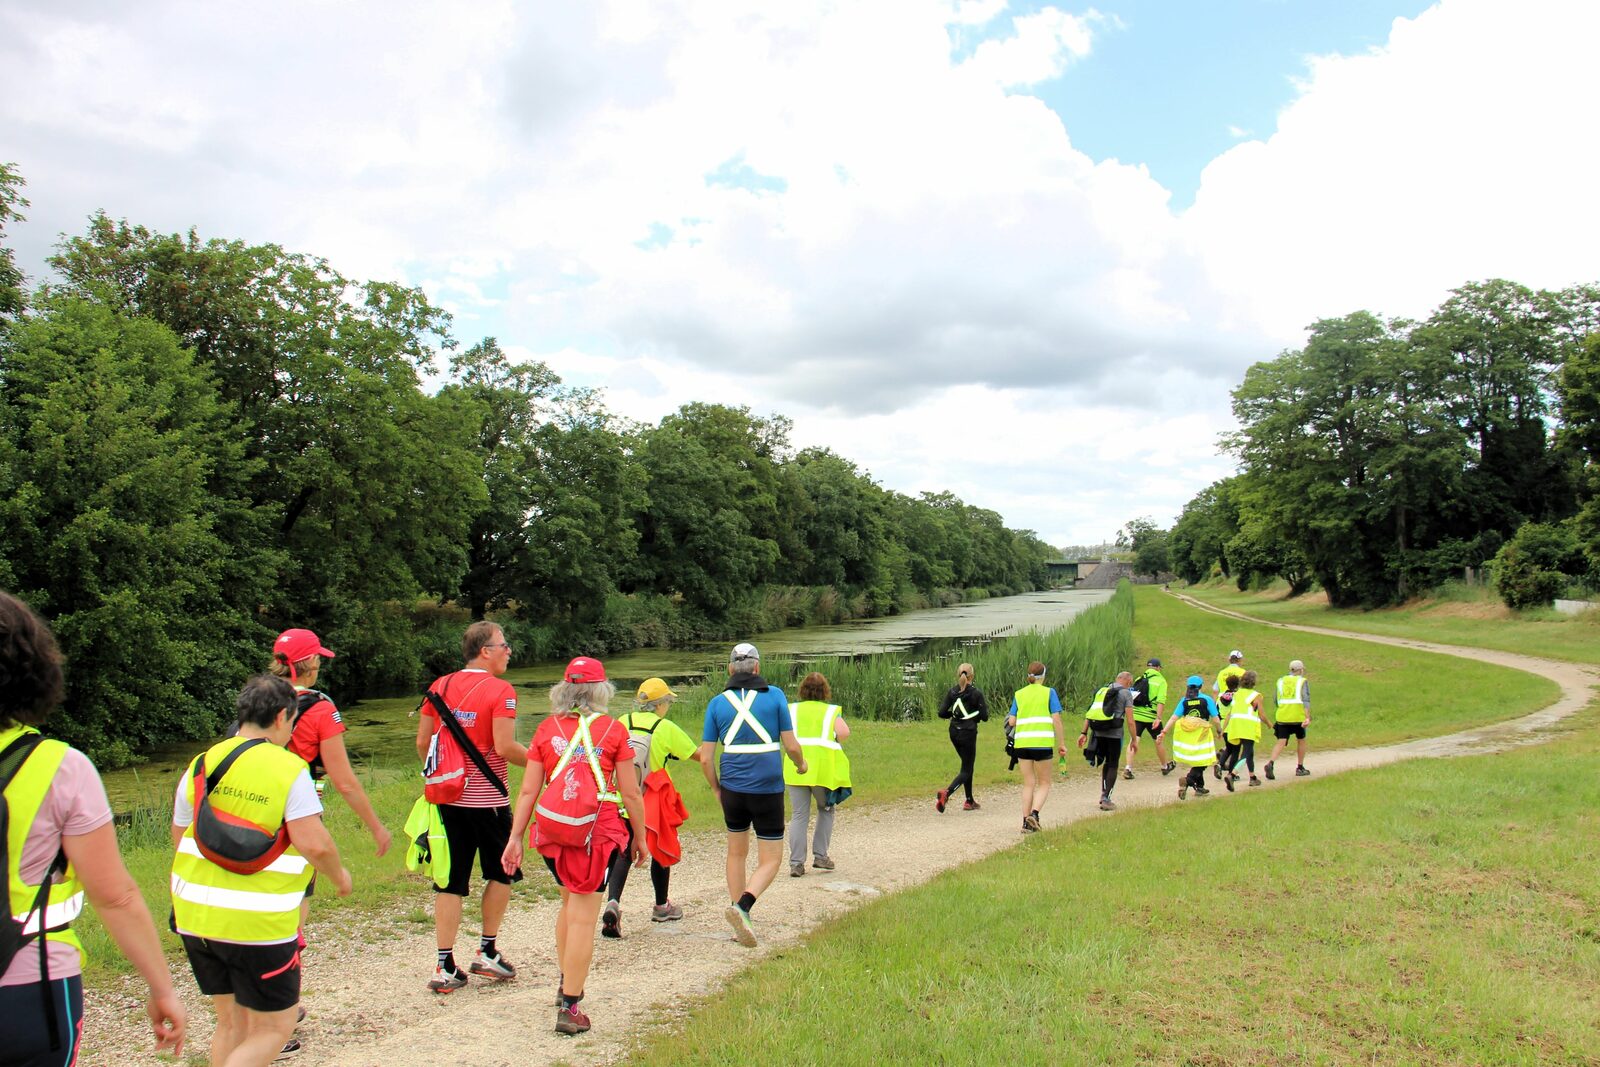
1021 252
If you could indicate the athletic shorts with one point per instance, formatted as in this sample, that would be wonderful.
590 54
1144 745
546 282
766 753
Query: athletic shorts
1285 730
24 1031
1140 728
1035 753
259 977
764 811
481 832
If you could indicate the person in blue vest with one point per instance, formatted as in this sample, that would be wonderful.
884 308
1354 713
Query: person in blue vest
750 720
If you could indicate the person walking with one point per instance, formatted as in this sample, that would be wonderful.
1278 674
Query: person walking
822 731
1234 669
479 823
580 738
247 830
1106 718
654 740
751 721
1241 726
1150 714
1194 738
1291 718
61 848
1035 717
965 706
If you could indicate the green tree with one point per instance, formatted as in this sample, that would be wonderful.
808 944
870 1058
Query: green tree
12 295
1580 433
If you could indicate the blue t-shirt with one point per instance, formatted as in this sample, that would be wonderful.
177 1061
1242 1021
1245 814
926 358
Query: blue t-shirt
1055 704
750 772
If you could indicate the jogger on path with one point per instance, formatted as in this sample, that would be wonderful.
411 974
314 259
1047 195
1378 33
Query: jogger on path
965 706
1036 717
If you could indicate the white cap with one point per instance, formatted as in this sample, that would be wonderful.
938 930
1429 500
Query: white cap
743 650
1236 654
1296 665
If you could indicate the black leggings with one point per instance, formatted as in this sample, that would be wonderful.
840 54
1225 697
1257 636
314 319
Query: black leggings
1108 753
966 744
1196 778
1244 748
24 1034
621 862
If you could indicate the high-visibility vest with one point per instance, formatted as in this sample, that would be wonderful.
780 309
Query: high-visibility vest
1193 742
826 763
209 901
1157 687
742 701
1243 722
25 795
1232 670
1097 706
1035 728
1291 698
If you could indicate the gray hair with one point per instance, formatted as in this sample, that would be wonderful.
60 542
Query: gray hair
747 665
595 696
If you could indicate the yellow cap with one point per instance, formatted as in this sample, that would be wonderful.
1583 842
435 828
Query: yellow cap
652 690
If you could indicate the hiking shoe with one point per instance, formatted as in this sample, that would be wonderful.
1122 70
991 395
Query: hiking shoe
822 863
1301 772
739 919
1183 791
571 1021
1030 823
1201 791
797 870
446 983
667 913
1216 770
496 966
939 799
299 1014
290 1047
1127 772
1254 780
1106 805
973 805
1169 768
611 920
1270 776
1228 780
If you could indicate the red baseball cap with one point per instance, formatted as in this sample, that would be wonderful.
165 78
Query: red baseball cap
584 669
292 646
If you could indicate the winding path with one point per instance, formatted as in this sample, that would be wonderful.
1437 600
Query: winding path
364 984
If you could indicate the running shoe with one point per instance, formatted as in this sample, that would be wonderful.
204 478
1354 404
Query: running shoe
1127 772
496 966
739 919
1254 780
1201 791
571 1021
1268 768
1169 768
290 1047
1228 780
1107 805
1030 823
666 913
939 799
299 1014
446 983
797 870
611 920
973 805
1301 772
822 863
1183 791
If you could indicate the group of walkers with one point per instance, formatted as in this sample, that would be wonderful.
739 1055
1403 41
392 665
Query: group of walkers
1219 730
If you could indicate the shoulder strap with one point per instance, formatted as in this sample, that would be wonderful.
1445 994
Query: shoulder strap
447 718
227 761
16 754
582 734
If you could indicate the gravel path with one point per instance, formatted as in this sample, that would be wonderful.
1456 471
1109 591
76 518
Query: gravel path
364 985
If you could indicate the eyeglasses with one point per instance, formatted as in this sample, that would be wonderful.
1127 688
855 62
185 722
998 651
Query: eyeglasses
499 644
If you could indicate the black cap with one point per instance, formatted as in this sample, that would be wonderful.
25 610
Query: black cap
1153 662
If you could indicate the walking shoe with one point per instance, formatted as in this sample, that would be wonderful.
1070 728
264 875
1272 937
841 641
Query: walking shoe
939 799
1228 780
560 980
571 1021
739 919
1216 770
822 863
1030 823
1201 791
797 870
973 805
1301 772
1169 768
496 966
446 983
290 1047
611 919
1106 805
299 1014
1127 772
1268 768
666 913
1254 780
1183 790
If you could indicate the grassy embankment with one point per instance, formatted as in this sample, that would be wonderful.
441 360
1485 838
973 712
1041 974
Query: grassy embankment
1435 912
893 760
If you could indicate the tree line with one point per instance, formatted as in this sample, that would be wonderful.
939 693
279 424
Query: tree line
1388 455
203 442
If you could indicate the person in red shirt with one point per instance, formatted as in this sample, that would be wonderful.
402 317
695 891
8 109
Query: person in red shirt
479 824
582 696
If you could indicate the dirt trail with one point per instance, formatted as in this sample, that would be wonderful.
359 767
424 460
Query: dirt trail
364 987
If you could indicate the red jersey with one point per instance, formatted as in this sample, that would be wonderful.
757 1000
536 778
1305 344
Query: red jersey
317 723
478 698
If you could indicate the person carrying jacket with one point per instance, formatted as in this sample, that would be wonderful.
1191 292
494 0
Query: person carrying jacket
965 706
1107 717
1192 728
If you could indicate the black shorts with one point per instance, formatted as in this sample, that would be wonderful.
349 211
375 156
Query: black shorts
1035 753
1285 730
764 811
1140 728
481 832
24 1031
259 977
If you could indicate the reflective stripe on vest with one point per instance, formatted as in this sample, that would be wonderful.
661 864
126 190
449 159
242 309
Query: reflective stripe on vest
581 738
288 863
1097 707
1291 698
826 763
1035 727
961 706
25 795
1244 723
741 710
1193 743
228 899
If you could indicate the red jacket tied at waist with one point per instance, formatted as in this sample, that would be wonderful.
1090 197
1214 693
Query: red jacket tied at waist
663 814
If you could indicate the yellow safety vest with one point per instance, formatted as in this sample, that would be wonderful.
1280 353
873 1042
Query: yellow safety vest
1097 706
25 795
1035 728
1232 670
1193 742
1291 698
1243 722
826 763
209 901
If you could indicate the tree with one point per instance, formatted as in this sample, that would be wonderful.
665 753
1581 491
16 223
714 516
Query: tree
12 296
1148 543
1580 433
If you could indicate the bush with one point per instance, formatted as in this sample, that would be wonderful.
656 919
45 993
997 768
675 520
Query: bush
1521 582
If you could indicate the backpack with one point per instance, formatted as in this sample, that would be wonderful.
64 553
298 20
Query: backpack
12 939
230 841
640 739
304 701
569 805
1141 691
1196 706
1111 705
444 771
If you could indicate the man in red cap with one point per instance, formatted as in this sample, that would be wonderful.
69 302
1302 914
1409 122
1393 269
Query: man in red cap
479 823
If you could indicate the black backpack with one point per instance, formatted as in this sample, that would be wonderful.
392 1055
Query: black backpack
1111 706
1141 691
12 938
304 701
